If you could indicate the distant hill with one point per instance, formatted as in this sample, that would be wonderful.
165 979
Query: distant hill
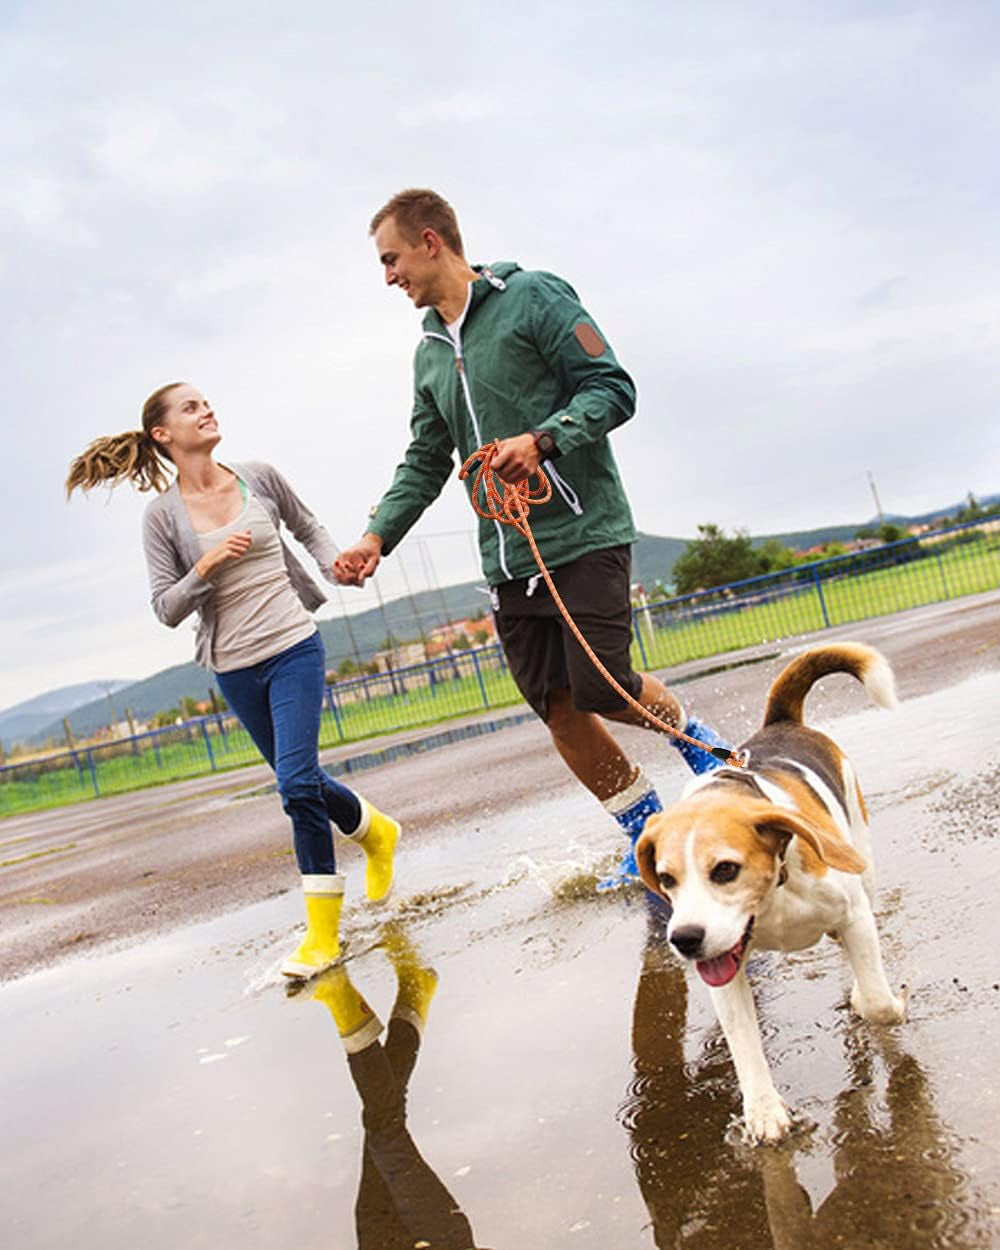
359 637
19 722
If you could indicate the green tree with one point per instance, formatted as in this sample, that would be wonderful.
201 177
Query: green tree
973 510
890 533
826 552
713 559
775 556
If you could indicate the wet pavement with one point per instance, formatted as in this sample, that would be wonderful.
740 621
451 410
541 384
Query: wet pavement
571 1089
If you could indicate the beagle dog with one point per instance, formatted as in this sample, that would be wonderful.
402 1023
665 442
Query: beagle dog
774 856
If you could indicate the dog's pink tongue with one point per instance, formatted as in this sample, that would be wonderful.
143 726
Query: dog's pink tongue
720 970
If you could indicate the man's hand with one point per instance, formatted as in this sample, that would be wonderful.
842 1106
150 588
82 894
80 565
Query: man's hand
517 458
231 548
353 566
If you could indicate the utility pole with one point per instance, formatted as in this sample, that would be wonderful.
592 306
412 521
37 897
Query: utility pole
107 687
878 505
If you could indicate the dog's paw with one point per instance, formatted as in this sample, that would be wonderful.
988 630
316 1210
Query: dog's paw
766 1119
890 1010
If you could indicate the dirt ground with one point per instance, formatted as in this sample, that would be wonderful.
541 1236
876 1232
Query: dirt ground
571 1090
122 868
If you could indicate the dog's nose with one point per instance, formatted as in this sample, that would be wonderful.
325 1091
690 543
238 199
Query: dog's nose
688 939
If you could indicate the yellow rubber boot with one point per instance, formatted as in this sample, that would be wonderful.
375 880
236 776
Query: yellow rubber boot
377 836
320 948
356 1023
416 982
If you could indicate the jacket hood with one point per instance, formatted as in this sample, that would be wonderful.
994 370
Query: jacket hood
490 279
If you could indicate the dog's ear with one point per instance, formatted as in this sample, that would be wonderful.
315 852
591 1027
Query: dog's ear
830 845
645 857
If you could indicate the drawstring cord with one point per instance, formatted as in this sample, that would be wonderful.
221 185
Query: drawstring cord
510 507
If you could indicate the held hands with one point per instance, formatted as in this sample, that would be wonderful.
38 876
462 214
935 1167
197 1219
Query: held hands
231 548
355 565
517 458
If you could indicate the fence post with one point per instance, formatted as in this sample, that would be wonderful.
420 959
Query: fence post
637 632
822 601
944 579
208 744
335 712
479 678
93 772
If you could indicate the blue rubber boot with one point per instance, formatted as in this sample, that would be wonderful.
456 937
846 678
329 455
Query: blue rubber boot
631 809
697 760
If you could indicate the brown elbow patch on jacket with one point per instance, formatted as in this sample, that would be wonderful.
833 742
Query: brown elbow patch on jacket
589 339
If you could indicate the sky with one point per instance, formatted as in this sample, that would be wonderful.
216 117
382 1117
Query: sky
782 216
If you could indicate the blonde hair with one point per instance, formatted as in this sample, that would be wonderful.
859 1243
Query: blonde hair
134 456
419 209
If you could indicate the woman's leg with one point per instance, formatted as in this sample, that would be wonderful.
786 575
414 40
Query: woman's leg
341 803
295 680
245 690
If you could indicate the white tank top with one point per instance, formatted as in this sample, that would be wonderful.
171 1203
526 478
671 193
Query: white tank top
257 612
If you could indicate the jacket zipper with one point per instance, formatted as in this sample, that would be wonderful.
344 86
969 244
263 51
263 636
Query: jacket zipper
570 497
456 346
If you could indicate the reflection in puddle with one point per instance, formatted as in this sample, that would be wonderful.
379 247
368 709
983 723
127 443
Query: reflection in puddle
896 1179
130 1090
401 1202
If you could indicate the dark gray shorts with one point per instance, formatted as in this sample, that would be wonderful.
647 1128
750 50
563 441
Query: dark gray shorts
540 648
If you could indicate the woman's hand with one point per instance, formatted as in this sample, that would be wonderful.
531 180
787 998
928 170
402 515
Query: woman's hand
353 566
230 548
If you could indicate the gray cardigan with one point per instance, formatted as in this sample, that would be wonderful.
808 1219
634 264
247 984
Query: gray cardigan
172 550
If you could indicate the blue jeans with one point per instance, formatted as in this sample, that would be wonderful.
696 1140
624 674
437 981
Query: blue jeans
279 702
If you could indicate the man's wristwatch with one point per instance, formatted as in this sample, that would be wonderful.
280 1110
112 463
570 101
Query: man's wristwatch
546 444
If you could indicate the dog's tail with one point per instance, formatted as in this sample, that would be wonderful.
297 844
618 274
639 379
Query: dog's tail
789 691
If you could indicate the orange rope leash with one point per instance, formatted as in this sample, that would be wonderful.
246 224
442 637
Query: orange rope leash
510 507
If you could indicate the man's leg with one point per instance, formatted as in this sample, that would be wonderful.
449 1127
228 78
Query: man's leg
595 589
587 747
659 700
595 758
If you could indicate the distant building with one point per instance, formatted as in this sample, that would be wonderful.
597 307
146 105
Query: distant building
476 633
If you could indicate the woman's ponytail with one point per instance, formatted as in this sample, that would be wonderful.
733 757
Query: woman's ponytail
133 456
117 458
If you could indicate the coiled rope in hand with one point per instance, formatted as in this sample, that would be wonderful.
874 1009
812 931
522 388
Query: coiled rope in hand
510 504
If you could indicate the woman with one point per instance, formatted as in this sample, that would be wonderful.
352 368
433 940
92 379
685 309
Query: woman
212 547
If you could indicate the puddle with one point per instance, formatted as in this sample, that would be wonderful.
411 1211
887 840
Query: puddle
570 1088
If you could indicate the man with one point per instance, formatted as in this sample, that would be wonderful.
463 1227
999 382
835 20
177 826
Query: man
513 355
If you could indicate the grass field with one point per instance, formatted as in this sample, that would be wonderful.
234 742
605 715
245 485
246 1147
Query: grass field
670 633
711 624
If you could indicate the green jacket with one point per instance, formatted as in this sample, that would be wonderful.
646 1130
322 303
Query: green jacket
529 357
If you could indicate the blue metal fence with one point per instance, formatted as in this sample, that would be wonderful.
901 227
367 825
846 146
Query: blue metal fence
822 595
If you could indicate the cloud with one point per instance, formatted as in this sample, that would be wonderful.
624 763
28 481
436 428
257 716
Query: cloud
783 219
463 108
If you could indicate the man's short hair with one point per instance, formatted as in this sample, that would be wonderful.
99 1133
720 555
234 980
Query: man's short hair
418 209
